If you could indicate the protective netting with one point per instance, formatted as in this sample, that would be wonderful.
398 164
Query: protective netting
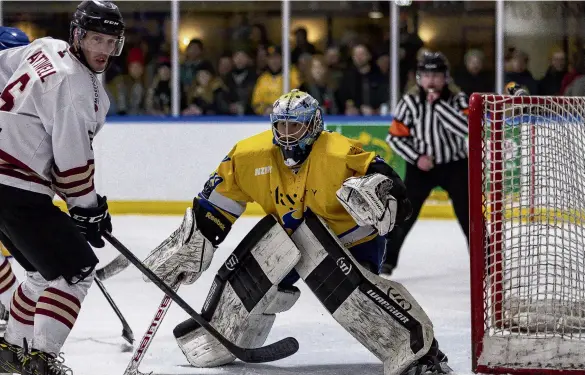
534 206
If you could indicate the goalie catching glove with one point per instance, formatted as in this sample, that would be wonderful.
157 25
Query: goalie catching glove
187 251
369 202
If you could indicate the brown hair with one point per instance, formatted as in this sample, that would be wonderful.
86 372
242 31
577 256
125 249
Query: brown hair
329 81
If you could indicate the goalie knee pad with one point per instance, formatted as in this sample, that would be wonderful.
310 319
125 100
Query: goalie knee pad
379 313
244 296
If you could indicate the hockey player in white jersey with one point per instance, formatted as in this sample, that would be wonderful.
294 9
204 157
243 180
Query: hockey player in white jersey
51 107
10 37
337 202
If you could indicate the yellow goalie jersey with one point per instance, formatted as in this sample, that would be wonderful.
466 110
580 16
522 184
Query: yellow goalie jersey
254 171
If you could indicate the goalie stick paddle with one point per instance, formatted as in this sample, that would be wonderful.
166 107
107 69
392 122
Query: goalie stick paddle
273 352
138 355
127 333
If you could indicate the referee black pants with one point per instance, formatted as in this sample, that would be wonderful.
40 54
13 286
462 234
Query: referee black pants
452 177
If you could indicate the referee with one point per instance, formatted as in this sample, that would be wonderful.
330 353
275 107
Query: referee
429 131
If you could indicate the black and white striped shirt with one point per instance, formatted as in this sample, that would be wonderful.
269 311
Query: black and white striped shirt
438 130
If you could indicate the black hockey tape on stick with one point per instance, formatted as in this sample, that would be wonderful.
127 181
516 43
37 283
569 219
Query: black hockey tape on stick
127 333
273 352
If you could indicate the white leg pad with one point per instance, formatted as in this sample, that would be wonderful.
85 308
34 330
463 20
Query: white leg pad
245 296
379 313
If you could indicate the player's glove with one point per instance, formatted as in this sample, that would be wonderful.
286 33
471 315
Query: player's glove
93 222
369 202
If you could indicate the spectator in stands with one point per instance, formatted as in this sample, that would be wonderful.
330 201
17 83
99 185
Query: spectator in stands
473 78
240 83
410 45
128 90
206 96
577 70
258 36
158 98
194 61
320 85
550 84
225 65
383 63
363 87
334 64
302 45
304 67
261 60
269 85
520 74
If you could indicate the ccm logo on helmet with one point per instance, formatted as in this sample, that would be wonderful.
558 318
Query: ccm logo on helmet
115 23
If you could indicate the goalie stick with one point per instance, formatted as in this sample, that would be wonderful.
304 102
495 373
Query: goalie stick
138 355
273 352
127 333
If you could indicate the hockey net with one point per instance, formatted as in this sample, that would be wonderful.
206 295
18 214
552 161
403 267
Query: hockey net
527 243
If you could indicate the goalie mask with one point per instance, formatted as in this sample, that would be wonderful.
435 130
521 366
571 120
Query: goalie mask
296 124
97 34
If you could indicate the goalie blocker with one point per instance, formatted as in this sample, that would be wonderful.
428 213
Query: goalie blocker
245 297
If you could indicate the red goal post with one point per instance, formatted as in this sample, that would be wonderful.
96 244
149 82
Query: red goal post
527 234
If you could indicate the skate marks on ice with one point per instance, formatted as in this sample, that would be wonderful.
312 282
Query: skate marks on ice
240 368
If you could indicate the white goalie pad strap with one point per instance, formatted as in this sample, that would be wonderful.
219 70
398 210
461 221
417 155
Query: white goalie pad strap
369 202
245 295
186 251
379 313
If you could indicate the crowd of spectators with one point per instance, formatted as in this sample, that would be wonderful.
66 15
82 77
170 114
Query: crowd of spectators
349 78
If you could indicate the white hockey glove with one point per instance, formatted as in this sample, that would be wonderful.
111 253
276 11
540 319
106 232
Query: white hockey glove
368 200
185 252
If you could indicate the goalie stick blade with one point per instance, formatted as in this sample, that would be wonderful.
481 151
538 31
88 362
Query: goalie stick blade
278 350
273 352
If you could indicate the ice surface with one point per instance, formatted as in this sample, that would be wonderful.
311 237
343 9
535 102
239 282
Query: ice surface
434 266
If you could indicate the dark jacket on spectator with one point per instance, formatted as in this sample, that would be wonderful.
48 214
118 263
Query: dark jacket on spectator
524 79
240 85
363 89
482 82
550 84
158 100
325 95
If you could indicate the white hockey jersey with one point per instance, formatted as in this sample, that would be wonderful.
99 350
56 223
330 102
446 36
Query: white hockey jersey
51 108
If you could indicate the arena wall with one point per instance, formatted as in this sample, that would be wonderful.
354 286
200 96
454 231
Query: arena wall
146 165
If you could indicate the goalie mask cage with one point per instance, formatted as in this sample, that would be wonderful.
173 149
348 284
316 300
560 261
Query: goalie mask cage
527 234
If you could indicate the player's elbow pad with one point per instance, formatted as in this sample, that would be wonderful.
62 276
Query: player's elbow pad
212 224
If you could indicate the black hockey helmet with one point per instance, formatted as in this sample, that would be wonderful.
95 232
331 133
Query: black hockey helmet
99 16
432 62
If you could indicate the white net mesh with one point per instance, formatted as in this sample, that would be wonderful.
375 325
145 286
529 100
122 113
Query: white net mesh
534 205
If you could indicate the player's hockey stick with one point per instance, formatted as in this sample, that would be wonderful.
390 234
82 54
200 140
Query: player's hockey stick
138 355
273 352
113 268
127 333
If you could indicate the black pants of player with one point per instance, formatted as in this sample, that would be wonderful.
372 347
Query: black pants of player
43 238
452 177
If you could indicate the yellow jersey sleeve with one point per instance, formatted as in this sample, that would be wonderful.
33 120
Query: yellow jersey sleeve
222 190
358 160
